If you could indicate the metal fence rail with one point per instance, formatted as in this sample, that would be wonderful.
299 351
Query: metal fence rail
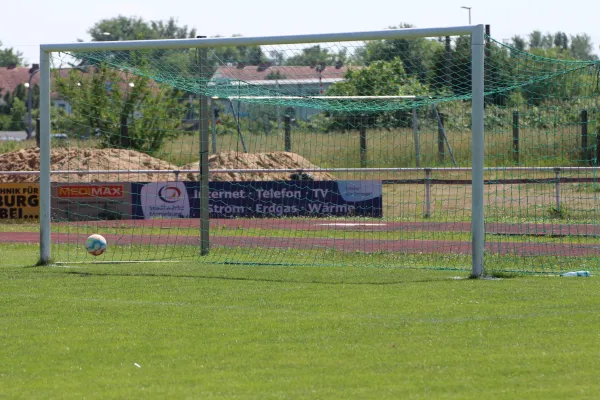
427 180
295 170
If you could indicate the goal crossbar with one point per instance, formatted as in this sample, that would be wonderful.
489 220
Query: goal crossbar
261 40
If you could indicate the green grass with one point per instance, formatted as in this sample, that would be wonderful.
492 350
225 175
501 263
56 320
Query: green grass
327 233
240 332
386 148
395 147
341 234
437 258
329 257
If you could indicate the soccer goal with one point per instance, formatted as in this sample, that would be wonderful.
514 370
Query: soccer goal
362 148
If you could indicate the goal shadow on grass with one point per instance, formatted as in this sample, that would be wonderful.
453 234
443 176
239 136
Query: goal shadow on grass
332 281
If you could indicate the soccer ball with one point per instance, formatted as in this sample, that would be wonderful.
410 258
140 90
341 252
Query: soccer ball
95 245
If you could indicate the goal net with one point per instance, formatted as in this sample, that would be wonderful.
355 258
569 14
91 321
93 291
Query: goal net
352 149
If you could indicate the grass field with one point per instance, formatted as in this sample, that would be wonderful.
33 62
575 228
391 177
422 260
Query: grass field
188 330
319 323
510 247
395 147
556 146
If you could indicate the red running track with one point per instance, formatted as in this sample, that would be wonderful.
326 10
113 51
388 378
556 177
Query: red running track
351 245
370 226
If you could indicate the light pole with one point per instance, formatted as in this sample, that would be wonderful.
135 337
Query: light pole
34 68
468 8
320 68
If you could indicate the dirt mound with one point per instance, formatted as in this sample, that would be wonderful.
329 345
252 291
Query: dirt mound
275 160
62 159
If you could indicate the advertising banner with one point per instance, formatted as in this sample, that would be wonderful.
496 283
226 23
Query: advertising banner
259 199
91 201
163 200
19 201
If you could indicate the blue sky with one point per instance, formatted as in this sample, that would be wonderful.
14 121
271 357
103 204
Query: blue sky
26 25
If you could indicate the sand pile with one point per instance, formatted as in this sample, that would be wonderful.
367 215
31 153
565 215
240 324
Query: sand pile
64 159
275 160
75 159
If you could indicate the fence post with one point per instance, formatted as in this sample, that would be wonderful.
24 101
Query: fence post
37 132
584 137
287 121
448 65
215 117
557 173
427 192
516 136
363 142
415 126
597 145
441 138
488 55
124 132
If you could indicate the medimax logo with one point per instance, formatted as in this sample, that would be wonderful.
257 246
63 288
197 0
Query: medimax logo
87 191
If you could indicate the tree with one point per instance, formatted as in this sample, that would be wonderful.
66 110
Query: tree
4 122
276 57
6 104
417 55
20 92
251 55
275 76
578 47
519 43
17 115
13 108
312 56
452 71
380 78
535 40
125 28
581 47
126 111
10 56
561 40
133 28
548 41
170 30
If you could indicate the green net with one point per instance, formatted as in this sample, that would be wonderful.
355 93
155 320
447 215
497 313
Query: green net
331 153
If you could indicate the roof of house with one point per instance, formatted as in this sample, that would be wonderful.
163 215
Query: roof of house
10 78
296 73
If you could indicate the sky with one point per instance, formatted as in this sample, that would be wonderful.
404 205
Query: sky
27 25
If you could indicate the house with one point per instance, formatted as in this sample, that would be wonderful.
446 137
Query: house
13 76
265 80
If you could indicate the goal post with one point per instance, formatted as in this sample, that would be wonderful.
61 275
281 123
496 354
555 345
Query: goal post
476 97
44 140
478 148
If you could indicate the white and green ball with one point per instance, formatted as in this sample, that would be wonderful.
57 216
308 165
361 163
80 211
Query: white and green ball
95 244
